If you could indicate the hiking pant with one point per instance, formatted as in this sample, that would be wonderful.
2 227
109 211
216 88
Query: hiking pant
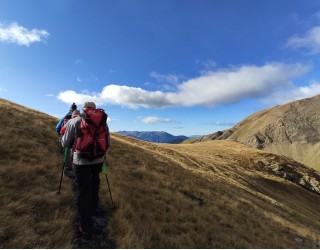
88 181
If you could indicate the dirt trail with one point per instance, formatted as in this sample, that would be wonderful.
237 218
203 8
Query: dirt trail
100 239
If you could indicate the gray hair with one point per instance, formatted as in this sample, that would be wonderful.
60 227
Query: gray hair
89 105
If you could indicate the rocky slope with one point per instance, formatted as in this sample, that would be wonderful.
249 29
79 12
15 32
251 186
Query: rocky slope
292 130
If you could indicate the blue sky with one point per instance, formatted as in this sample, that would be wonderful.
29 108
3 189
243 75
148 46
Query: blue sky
182 66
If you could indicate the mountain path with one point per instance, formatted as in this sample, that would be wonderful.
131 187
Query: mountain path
100 239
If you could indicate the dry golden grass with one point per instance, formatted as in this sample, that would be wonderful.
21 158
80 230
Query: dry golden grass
219 194
210 195
32 216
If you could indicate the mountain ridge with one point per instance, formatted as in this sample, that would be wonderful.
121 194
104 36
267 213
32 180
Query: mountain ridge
154 136
292 129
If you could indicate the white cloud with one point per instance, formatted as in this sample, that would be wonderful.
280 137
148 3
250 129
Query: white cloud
112 119
15 33
71 96
153 119
208 65
87 79
49 95
216 87
310 41
168 78
232 85
292 94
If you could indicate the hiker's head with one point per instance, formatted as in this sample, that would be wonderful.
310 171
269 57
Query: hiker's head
73 106
75 113
89 105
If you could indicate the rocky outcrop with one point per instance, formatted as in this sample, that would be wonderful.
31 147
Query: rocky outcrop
301 175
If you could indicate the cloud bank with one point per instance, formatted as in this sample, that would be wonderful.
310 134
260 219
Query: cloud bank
15 33
222 86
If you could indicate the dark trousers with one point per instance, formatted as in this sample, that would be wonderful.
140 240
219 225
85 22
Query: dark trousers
88 181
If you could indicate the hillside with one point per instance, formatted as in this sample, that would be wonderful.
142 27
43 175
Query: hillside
154 136
217 194
292 129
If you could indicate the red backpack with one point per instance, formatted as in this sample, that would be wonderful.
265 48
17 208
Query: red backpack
91 134
63 124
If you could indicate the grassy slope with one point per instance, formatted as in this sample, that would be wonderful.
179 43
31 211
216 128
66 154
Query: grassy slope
32 216
218 194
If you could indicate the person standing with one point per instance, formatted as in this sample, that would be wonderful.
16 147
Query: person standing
88 135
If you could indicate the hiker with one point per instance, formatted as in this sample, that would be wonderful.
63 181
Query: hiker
68 168
88 134
62 122
75 113
65 119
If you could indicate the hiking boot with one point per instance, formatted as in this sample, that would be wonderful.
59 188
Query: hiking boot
69 174
68 171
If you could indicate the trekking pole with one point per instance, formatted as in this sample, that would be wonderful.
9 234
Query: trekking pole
65 158
105 172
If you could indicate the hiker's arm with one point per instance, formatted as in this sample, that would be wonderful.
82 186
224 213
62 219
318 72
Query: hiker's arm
58 127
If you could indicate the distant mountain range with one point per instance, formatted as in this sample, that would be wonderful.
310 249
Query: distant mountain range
154 136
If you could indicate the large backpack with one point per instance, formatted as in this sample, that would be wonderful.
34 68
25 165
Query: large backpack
91 134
